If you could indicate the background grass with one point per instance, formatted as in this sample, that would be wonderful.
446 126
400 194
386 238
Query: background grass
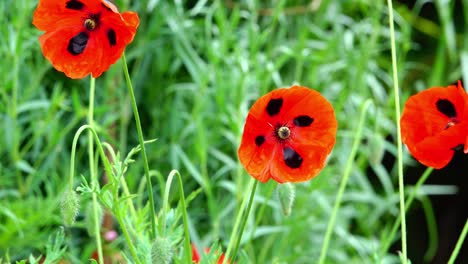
197 66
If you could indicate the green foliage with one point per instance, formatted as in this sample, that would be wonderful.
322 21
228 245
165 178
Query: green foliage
197 66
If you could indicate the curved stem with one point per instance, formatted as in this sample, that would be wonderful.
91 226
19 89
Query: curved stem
344 180
92 171
242 227
108 169
142 145
80 130
401 183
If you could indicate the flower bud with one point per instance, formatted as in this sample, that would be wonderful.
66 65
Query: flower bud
286 194
161 251
69 207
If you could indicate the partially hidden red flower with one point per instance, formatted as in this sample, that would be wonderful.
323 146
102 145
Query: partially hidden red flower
288 135
196 256
434 124
83 36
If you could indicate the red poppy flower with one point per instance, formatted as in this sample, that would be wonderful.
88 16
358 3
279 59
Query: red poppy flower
83 36
435 123
196 256
288 135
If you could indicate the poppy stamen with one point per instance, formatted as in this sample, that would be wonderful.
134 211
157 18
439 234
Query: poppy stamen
90 24
451 123
283 132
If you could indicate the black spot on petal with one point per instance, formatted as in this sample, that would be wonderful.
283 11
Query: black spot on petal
303 121
78 43
74 5
292 159
274 106
446 107
458 147
111 37
259 140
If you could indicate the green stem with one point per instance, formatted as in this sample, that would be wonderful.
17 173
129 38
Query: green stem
242 227
111 152
107 165
108 169
401 183
236 224
408 202
261 211
92 172
126 234
142 145
454 255
344 180
187 247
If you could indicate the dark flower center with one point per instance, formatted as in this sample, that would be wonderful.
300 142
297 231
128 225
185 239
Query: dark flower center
283 132
93 21
90 24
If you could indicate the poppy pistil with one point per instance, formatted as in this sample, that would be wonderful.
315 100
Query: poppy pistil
283 132
92 22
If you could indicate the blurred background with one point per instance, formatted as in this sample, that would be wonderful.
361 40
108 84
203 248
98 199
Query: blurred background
197 67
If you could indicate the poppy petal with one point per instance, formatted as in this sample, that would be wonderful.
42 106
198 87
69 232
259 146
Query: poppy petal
49 14
256 152
433 124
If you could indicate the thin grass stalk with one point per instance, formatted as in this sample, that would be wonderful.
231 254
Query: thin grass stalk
408 202
344 181
92 171
401 183
143 150
187 247
127 235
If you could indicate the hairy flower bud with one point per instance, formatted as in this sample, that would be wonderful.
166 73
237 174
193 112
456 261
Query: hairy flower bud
286 195
69 207
161 251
